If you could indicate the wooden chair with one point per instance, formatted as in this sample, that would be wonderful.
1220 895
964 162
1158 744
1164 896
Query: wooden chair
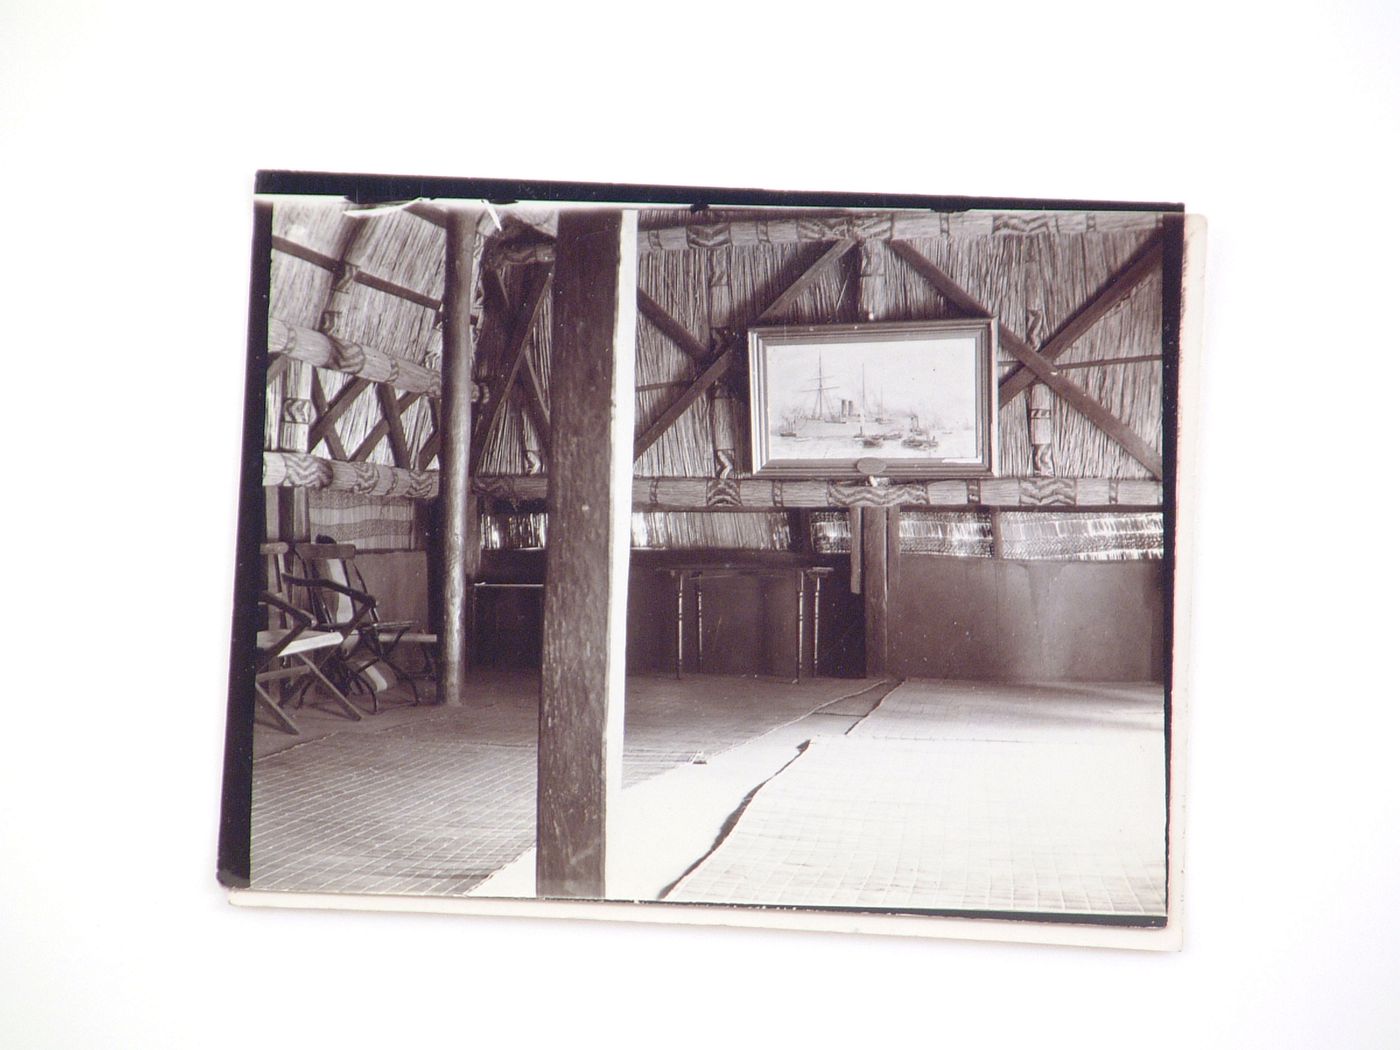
287 652
378 645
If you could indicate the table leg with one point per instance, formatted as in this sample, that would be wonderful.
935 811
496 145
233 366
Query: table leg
801 616
680 624
699 627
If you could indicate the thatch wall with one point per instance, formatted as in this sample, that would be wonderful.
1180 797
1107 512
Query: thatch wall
1032 276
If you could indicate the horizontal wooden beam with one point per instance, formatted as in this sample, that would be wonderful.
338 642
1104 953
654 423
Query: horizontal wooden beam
301 471
355 359
369 280
863 226
1146 261
790 493
902 225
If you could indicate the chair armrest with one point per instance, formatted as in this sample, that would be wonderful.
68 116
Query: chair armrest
301 621
364 603
268 598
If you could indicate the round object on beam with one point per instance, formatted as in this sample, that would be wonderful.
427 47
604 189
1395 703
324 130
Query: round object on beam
870 466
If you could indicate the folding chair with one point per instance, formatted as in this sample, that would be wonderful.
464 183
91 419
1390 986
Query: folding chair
287 652
376 646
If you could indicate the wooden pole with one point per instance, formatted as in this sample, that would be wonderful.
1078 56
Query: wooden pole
875 588
459 543
592 379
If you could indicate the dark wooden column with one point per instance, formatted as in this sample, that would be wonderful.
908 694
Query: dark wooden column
460 547
874 542
592 403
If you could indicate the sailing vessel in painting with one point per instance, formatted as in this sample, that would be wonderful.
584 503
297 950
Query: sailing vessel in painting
829 402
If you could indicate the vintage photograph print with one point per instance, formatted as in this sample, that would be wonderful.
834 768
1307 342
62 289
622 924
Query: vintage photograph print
742 560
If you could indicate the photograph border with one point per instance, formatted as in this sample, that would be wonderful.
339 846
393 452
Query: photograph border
235 820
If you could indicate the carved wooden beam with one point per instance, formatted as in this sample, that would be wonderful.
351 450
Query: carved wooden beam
355 359
1041 369
901 225
789 493
1146 261
299 470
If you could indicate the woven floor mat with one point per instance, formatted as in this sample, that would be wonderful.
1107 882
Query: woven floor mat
438 799
933 709
395 812
958 825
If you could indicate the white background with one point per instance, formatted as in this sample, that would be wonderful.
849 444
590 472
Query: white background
129 135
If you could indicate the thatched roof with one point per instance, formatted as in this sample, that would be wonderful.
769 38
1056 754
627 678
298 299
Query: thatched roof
714 272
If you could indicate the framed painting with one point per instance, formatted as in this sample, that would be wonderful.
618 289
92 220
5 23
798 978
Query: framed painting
892 399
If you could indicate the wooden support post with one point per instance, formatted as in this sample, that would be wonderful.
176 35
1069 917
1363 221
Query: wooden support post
874 556
592 376
856 528
460 549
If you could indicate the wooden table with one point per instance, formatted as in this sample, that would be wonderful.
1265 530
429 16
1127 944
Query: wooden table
797 574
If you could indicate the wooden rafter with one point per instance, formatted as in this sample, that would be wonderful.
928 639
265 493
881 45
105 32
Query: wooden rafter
433 441
678 408
428 213
671 328
1078 399
369 280
533 399
1146 261
513 356
324 430
721 363
326 417
808 278
1100 362
386 428
1036 365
